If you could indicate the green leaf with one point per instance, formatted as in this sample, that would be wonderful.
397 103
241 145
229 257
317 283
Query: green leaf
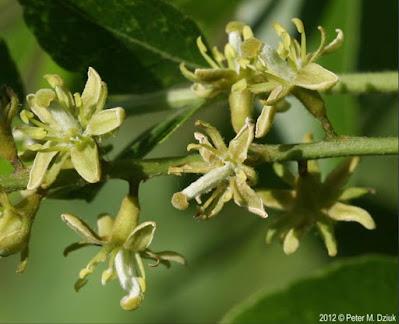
157 134
211 15
8 71
135 45
363 285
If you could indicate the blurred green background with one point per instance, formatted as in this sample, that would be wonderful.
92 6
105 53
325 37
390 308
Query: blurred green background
228 260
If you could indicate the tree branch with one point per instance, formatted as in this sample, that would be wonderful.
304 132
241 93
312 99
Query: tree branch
145 169
337 147
362 83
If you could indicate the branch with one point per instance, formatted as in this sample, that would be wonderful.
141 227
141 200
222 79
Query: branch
362 83
337 147
145 169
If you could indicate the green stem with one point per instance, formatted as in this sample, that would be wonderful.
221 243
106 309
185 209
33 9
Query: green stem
145 169
362 83
335 147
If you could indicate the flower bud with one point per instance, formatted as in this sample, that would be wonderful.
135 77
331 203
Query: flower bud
14 232
15 226
240 102
126 220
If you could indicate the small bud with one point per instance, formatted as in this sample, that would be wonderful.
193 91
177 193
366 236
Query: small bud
241 105
126 220
14 232
15 226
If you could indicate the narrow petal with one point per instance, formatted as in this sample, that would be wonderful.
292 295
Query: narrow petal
215 202
314 77
290 242
81 228
262 87
277 198
164 257
141 237
54 170
278 93
239 145
39 168
109 273
193 167
340 175
327 233
206 151
284 173
213 134
265 121
101 256
75 246
92 91
206 154
354 192
86 161
245 196
105 121
270 235
348 213
105 223
171 256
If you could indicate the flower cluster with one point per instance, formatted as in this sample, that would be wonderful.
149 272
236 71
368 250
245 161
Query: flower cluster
225 173
313 202
124 243
65 131
67 128
250 67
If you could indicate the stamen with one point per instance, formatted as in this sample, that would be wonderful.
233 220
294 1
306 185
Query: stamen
203 49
